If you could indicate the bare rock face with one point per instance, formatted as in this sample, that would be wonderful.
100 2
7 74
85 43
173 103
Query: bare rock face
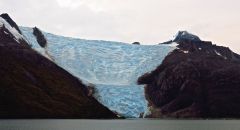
197 80
31 86
40 37
136 43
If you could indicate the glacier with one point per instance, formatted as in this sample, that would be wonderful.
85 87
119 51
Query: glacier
113 67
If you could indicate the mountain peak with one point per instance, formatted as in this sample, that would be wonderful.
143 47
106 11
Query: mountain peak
7 18
10 28
185 35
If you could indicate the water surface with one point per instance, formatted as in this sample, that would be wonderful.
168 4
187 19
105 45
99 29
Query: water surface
67 124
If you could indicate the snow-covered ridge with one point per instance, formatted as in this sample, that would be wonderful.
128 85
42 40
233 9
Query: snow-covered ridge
12 30
181 36
184 35
113 67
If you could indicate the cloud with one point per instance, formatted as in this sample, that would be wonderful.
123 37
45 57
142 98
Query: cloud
146 21
72 4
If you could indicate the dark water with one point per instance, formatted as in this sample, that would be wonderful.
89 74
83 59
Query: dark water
119 124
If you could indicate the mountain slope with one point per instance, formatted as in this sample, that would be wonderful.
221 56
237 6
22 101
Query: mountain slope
197 80
34 87
184 77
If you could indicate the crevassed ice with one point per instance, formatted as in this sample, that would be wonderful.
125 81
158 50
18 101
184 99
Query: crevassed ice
112 66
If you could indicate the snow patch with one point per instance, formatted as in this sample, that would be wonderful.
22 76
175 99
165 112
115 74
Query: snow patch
12 30
5 32
172 44
217 53
147 112
184 35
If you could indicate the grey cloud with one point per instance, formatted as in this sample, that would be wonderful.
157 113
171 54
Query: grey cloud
146 21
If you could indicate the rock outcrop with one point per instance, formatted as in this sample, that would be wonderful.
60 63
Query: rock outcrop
184 35
196 80
32 86
136 43
40 37
10 21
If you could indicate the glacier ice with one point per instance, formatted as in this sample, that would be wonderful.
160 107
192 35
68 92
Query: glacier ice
113 67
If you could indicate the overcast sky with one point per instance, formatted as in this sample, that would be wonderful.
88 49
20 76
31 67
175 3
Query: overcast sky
146 21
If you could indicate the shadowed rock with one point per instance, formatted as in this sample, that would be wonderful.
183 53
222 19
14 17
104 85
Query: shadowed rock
136 43
32 86
40 37
197 80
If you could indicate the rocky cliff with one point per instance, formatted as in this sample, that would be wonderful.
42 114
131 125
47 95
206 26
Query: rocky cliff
196 80
31 86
